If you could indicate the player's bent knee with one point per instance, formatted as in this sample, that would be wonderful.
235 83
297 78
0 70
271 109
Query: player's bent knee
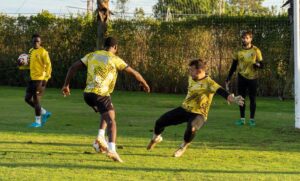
27 99
194 130
197 123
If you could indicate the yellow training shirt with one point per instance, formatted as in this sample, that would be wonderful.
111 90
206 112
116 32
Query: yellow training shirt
246 58
102 71
199 96
40 64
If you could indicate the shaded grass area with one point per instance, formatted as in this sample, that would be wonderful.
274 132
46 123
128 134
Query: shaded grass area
221 151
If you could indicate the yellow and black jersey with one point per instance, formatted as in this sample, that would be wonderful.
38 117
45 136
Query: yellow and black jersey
40 64
199 96
102 71
246 58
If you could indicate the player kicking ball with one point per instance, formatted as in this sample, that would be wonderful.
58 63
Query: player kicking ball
102 69
194 110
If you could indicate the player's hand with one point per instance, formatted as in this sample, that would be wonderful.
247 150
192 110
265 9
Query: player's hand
66 91
239 100
146 87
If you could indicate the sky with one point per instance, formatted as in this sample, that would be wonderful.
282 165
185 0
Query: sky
70 6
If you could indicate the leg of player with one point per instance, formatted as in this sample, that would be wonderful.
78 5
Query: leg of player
41 115
100 144
242 88
28 99
30 92
252 96
41 89
31 99
37 107
109 117
194 124
173 117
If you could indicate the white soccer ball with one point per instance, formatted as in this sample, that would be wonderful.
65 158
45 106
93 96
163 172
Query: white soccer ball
96 146
23 60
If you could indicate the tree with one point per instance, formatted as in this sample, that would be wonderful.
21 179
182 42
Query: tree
179 8
139 13
246 7
103 13
193 8
121 6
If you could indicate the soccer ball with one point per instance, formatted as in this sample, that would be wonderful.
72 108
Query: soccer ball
23 60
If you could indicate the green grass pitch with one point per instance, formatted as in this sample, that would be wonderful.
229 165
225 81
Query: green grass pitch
62 150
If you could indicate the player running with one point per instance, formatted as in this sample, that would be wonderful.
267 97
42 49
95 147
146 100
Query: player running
195 107
246 61
40 73
102 69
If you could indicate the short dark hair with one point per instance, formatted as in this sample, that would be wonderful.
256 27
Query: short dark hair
110 42
35 35
198 63
247 32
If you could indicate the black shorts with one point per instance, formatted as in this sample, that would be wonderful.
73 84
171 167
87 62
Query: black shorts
36 87
99 103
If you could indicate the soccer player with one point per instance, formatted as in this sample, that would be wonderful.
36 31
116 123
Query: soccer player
102 69
40 73
247 61
195 107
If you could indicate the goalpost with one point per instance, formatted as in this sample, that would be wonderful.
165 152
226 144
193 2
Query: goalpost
296 20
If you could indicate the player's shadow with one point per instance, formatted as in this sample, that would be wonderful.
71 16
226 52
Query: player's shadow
149 154
144 169
120 146
45 143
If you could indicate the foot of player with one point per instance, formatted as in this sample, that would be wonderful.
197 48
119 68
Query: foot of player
44 118
100 145
242 122
157 139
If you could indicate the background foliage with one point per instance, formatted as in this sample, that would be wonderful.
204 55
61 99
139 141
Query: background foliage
159 50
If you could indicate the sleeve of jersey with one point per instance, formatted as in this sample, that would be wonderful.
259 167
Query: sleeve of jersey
120 64
48 66
259 55
235 56
213 86
85 59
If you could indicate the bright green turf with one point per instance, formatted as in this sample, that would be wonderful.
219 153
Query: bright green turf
221 151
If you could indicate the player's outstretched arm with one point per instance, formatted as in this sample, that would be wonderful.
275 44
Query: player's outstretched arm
230 97
139 78
231 71
71 72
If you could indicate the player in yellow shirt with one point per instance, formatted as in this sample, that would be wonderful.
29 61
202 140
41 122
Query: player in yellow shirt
40 73
102 69
246 61
195 107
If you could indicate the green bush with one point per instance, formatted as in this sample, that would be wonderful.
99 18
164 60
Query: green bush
159 50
